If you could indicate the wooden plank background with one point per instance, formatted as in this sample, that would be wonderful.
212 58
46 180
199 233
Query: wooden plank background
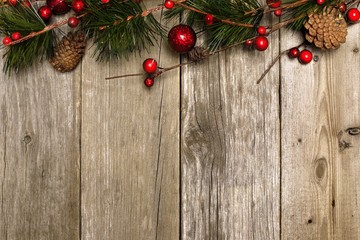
205 154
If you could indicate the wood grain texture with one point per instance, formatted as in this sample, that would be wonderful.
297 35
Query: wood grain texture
230 147
40 155
320 102
130 150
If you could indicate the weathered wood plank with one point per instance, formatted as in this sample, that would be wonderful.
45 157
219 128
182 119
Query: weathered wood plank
319 178
40 155
130 151
230 147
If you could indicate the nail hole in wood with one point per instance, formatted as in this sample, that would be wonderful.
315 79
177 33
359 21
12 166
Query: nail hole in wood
356 50
353 131
27 139
300 140
333 203
310 221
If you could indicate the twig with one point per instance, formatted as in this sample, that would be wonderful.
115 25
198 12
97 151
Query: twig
284 6
227 21
45 29
163 70
288 6
274 62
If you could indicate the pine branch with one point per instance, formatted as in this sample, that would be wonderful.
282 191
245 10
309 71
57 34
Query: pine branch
120 28
24 20
235 20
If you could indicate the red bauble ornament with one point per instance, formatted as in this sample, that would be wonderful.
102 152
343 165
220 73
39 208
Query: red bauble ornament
150 65
320 2
353 15
182 38
27 3
6 40
278 12
78 6
169 4
149 82
305 56
16 36
342 7
249 42
261 30
294 52
73 22
209 19
45 13
105 1
261 43
273 3
58 6
12 2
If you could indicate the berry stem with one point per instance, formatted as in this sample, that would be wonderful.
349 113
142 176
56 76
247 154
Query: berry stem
226 21
274 62
46 29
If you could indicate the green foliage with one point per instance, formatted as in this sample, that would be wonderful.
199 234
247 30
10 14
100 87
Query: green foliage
222 34
115 35
300 12
24 20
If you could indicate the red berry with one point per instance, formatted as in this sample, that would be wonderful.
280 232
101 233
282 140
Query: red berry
7 40
273 3
294 52
149 82
342 7
249 42
278 12
73 22
12 2
16 36
261 30
305 56
58 6
45 13
353 15
105 1
27 3
150 65
78 6
209 19
261 43
169 4
320 2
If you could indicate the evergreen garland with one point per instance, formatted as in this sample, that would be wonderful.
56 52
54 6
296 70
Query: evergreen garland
120 27
24 20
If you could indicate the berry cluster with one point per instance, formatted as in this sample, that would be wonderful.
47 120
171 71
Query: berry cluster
150 66
305 56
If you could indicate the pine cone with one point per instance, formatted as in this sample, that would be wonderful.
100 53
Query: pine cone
69 52
326 30
198 54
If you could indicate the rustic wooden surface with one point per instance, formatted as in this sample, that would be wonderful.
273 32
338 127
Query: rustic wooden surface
130 151
40 155
230 147
205 154
320 146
